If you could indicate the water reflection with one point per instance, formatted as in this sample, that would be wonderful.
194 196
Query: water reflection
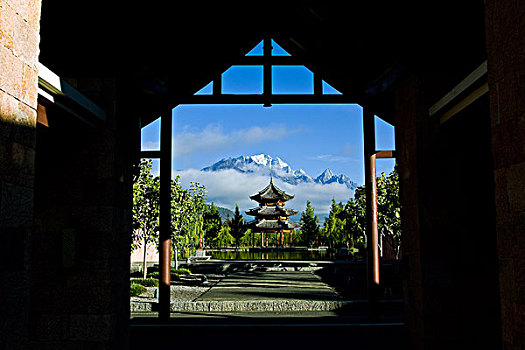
271 255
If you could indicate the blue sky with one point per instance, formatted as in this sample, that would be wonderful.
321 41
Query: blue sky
311 137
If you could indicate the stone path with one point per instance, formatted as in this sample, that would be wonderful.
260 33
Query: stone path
271 285
259 291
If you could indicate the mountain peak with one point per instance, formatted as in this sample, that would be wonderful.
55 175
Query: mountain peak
262 159
327 173
328 177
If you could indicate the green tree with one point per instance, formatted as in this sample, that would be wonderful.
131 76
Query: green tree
250 238
333 232
309 225
237 226
298 238
198 203
187 208
388 210
212 223
354 218
224 238
388 216
145 210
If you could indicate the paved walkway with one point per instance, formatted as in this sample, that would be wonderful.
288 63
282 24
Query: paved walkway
270 285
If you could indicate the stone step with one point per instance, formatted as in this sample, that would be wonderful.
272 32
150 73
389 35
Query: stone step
252 305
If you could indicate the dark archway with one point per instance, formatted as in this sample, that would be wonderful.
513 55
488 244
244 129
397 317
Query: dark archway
402 60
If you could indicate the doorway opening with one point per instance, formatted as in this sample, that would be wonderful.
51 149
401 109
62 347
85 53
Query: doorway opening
264 129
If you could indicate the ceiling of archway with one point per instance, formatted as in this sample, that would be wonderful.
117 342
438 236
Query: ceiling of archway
167 51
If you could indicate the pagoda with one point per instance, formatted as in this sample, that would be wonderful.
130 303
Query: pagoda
271 216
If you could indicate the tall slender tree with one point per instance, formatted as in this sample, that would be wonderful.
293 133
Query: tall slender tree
212 223
388 211
333 230
187 208
237 226
309 225
145 210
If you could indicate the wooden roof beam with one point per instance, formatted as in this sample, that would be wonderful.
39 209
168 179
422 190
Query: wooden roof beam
274 99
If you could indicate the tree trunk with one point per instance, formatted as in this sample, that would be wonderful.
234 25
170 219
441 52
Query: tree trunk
175 253
144 267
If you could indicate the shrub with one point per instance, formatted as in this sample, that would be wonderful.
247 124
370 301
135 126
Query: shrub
175 274
148 282
136 289
153 275
181 271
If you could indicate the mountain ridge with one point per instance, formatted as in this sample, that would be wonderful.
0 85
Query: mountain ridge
264 164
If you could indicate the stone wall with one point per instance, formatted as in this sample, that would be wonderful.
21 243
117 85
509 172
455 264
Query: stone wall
506 65
80 271
19 40
65 196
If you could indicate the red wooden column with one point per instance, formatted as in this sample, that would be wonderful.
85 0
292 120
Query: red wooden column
165 216
371 213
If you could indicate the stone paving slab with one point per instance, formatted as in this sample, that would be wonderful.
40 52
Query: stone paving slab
271 286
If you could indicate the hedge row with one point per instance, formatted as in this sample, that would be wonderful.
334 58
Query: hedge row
136 289
175 274
148 282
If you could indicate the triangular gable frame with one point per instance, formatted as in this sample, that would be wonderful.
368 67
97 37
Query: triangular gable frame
267 98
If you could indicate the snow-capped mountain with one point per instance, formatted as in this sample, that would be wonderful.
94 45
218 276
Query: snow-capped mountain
328 177
264 164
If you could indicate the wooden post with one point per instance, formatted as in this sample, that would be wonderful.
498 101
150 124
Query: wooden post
165 217
318 85
371 213
217 85
267 71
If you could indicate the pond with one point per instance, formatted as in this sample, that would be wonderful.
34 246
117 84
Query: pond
272 254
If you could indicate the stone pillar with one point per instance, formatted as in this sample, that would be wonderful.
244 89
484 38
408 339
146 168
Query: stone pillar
407 139
448 225
19 40
505 33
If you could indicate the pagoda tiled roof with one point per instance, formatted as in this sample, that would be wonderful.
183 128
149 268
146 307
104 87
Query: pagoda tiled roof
271 193
273 210
277 224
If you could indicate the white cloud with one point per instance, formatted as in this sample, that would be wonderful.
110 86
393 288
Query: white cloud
335 158
227 188
349 153
150 145
213 137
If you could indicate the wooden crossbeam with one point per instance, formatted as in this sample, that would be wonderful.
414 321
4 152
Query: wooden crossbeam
275 99
385 154
273 60
150 154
